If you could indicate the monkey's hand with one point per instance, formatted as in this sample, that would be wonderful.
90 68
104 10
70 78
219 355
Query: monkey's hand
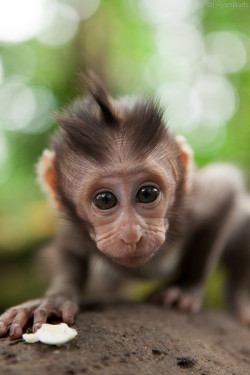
185 299
15 318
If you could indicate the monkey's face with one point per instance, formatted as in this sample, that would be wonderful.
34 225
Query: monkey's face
118 172
127 210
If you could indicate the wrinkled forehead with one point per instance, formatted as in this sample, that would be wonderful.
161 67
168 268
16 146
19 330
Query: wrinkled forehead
78 170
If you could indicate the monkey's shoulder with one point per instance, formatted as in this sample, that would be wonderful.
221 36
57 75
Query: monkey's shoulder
213 188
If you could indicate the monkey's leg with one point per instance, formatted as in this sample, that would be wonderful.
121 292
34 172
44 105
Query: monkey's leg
237 261
61 299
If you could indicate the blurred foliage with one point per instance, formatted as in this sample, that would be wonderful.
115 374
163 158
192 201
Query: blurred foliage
116 43
235 147
21 279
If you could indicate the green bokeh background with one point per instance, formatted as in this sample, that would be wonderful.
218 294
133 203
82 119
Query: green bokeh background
116 43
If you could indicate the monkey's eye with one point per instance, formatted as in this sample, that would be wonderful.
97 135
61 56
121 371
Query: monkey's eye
147 194
105 200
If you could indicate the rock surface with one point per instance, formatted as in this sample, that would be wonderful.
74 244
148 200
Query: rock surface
134 339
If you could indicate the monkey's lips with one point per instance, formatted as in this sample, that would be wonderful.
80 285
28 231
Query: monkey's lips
133 261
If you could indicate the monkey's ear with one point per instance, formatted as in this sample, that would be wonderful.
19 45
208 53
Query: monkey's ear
187 160
46 174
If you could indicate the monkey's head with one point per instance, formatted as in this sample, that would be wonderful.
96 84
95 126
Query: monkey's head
117 170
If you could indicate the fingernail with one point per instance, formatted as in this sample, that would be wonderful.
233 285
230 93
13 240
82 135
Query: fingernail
70 319
36 327
15 333
12 332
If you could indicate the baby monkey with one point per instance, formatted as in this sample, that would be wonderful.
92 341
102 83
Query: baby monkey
128 192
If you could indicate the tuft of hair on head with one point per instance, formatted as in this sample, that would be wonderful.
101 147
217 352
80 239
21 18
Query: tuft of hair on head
97 90
85 125
90 127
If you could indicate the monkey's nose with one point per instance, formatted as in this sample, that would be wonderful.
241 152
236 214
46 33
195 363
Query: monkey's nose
131 235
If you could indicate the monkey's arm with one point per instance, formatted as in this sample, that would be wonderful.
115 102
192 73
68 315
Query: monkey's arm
68 272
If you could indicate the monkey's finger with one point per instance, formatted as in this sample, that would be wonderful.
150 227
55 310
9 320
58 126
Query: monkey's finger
171 296
40 317
243 313
188 302
18 323
195 307
184 302
68 311
6 320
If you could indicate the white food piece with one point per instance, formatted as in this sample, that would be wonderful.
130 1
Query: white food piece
52 334
30 337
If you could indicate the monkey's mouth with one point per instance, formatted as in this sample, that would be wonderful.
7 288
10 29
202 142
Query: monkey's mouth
133 261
